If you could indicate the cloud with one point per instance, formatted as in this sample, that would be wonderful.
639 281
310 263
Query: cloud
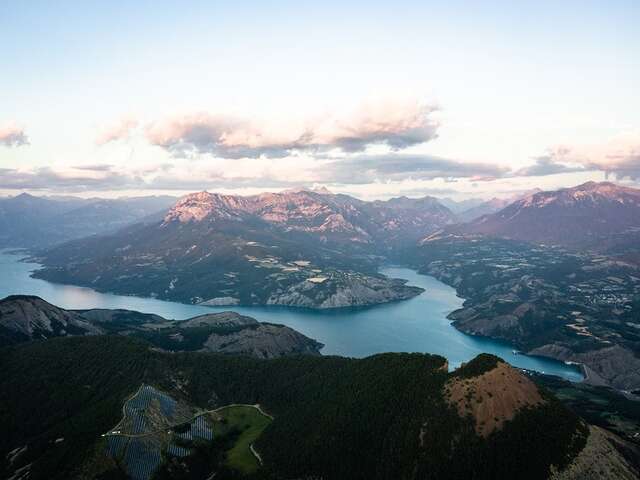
219 135
118 131
547 165
13 136
46 178
620 157
107 178
351 169
395 125
99 167
361 169
212 181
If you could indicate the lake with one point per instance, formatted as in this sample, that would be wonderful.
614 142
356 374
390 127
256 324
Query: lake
415 325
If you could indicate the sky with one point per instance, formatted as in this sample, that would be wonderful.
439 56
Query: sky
376 99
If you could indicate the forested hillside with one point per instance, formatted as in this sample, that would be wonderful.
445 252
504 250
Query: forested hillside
386 416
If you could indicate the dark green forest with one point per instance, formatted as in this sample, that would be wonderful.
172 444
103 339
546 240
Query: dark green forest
381 417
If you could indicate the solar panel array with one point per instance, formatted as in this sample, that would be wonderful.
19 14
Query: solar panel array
136 407
116 445
178 451
142 455
141 459
199 428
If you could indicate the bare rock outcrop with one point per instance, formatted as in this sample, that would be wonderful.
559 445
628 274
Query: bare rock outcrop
263 341
25 317
493 397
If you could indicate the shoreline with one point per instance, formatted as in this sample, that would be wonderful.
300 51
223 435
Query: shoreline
401 298
415 325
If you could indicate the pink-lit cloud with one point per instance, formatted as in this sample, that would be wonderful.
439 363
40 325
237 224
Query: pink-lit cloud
620 156
396 125
118 131
11 135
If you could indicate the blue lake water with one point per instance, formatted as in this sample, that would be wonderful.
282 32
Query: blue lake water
416 325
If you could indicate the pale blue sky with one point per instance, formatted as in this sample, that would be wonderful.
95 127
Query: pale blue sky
511 80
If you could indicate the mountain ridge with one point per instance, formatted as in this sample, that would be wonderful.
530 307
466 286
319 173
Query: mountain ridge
25 317
580 216
317 212
302 248
28 221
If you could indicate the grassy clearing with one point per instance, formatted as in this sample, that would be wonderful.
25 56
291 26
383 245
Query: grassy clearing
250 423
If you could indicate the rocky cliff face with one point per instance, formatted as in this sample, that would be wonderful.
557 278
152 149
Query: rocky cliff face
218 320
232 333
24 318
347 291
109 316
612 365
263 341
336 218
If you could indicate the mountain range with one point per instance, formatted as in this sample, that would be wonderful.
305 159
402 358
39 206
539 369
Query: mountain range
588 215
316 249
297 248
27 221
320 216
592 214
490 206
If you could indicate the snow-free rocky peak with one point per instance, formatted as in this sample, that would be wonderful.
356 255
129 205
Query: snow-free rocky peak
317 211
588 215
